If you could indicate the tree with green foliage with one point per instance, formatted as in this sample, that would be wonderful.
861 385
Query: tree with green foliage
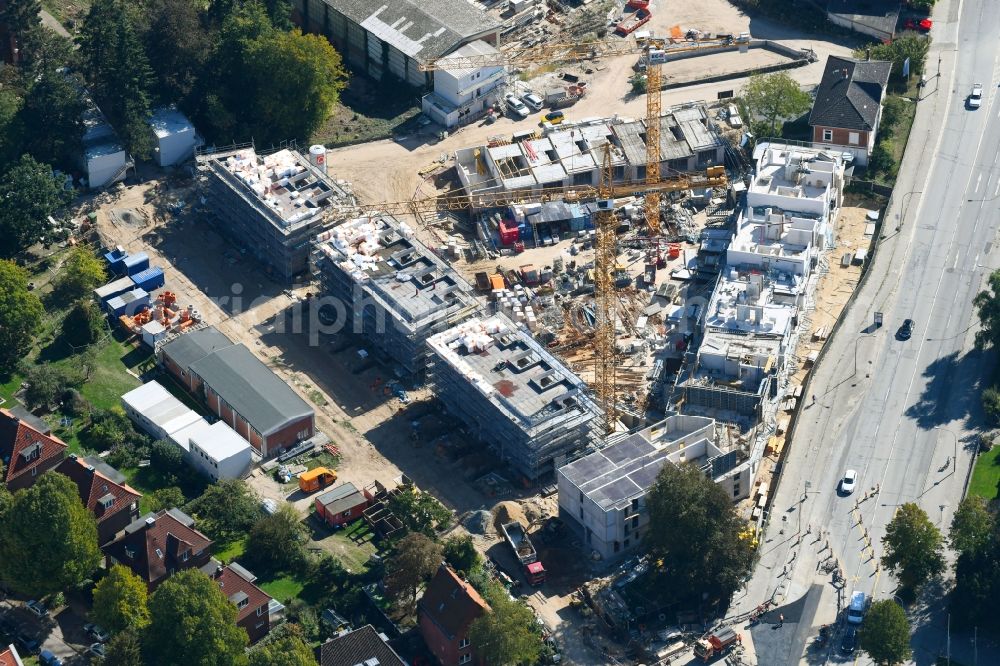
168 459
124 649
110 428
893 111
83 325
20 17
48 382
461 554
243 98
226 510
638 83
975 535
121 601
707 551
20 315
166 498
913 547
923 5
414 559
29 194
419 511
507 635
987 304
11 125
193 622
178 45
774 98
289 650
115 63
971 526
36 560
885 634
277 542
914 47
81 273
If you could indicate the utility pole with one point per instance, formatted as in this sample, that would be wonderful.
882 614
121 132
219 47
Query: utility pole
948 647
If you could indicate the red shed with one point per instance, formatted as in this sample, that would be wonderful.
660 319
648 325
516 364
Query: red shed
343 504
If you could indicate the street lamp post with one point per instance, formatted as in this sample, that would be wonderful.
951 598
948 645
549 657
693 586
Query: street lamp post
954 458
906 202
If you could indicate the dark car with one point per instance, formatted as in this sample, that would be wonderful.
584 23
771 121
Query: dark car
27 641
906 330
850 640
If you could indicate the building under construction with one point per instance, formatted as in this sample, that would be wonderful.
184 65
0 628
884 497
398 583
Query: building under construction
514 396
390 287
272 205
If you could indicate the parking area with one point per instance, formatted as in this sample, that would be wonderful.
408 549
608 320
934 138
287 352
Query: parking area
60 631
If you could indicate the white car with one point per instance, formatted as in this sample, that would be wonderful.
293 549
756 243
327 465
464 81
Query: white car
976 98
848 483
534 101
516 106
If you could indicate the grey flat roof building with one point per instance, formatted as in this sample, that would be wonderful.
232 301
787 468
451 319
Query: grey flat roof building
394 290
513 394
251 389
191 347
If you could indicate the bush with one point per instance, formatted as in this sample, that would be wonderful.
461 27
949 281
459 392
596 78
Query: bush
991 404
83 325
882 161
639 83
47 383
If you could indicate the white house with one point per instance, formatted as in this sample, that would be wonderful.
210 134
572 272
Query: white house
175 136
464 92
219 452
156 412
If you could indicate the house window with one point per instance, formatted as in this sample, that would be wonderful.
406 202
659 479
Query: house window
635 522
130 553
854 138
626 543
464 643
465 658
34 471
243 603
185 556
260 610
827 135
736 490
159 553
261 625
635 505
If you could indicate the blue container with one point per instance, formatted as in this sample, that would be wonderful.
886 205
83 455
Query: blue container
150 279
128 303
115 256
135 263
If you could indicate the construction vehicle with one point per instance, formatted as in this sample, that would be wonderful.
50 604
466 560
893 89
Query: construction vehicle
316 479
717 643
525 552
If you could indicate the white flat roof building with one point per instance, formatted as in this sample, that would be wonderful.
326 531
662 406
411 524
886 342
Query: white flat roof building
158 413
219 452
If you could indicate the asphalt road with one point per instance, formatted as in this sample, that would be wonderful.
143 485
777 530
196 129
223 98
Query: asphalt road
899 412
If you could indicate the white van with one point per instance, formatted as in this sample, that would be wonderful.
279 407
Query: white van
856 611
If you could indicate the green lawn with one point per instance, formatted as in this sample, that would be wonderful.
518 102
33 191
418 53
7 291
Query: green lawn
231 551
282 588
354 555
986 474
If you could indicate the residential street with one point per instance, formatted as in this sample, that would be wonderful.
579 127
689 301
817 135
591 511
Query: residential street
900 413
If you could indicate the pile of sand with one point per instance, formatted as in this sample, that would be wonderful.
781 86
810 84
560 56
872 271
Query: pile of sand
508 512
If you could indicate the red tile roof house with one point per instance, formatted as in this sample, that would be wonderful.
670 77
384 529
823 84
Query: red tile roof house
158 545
343 504
242 391
9 657
251 602
26 453
103 490
848 106
445 612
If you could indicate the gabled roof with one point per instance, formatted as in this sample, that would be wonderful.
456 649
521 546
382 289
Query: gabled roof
194 346
421 29
343 497
22 447
358 647
451 603
850 93
155 543
251 389
10 657
237 585
99 493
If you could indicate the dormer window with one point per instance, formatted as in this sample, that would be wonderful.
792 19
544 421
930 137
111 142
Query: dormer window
185 555
32 452
159 553
130 553
107 501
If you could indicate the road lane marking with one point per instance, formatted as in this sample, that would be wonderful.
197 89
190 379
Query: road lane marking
978 182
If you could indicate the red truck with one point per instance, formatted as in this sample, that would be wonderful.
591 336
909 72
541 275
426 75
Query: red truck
525 552
631 23
717 643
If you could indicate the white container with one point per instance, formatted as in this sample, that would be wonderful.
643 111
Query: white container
317 156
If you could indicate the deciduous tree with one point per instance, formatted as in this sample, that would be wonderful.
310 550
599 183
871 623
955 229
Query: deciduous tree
507 635
414 559
913 547
276 541
166 498
774 98
289 650
167 458
83 325
47 382
121 601
124 649
20 315
192 622
419 511
460 552
885 634
708 549
48 539
20 16
971 526
29 194
226 510
987 303
914 47
178 45
80 275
